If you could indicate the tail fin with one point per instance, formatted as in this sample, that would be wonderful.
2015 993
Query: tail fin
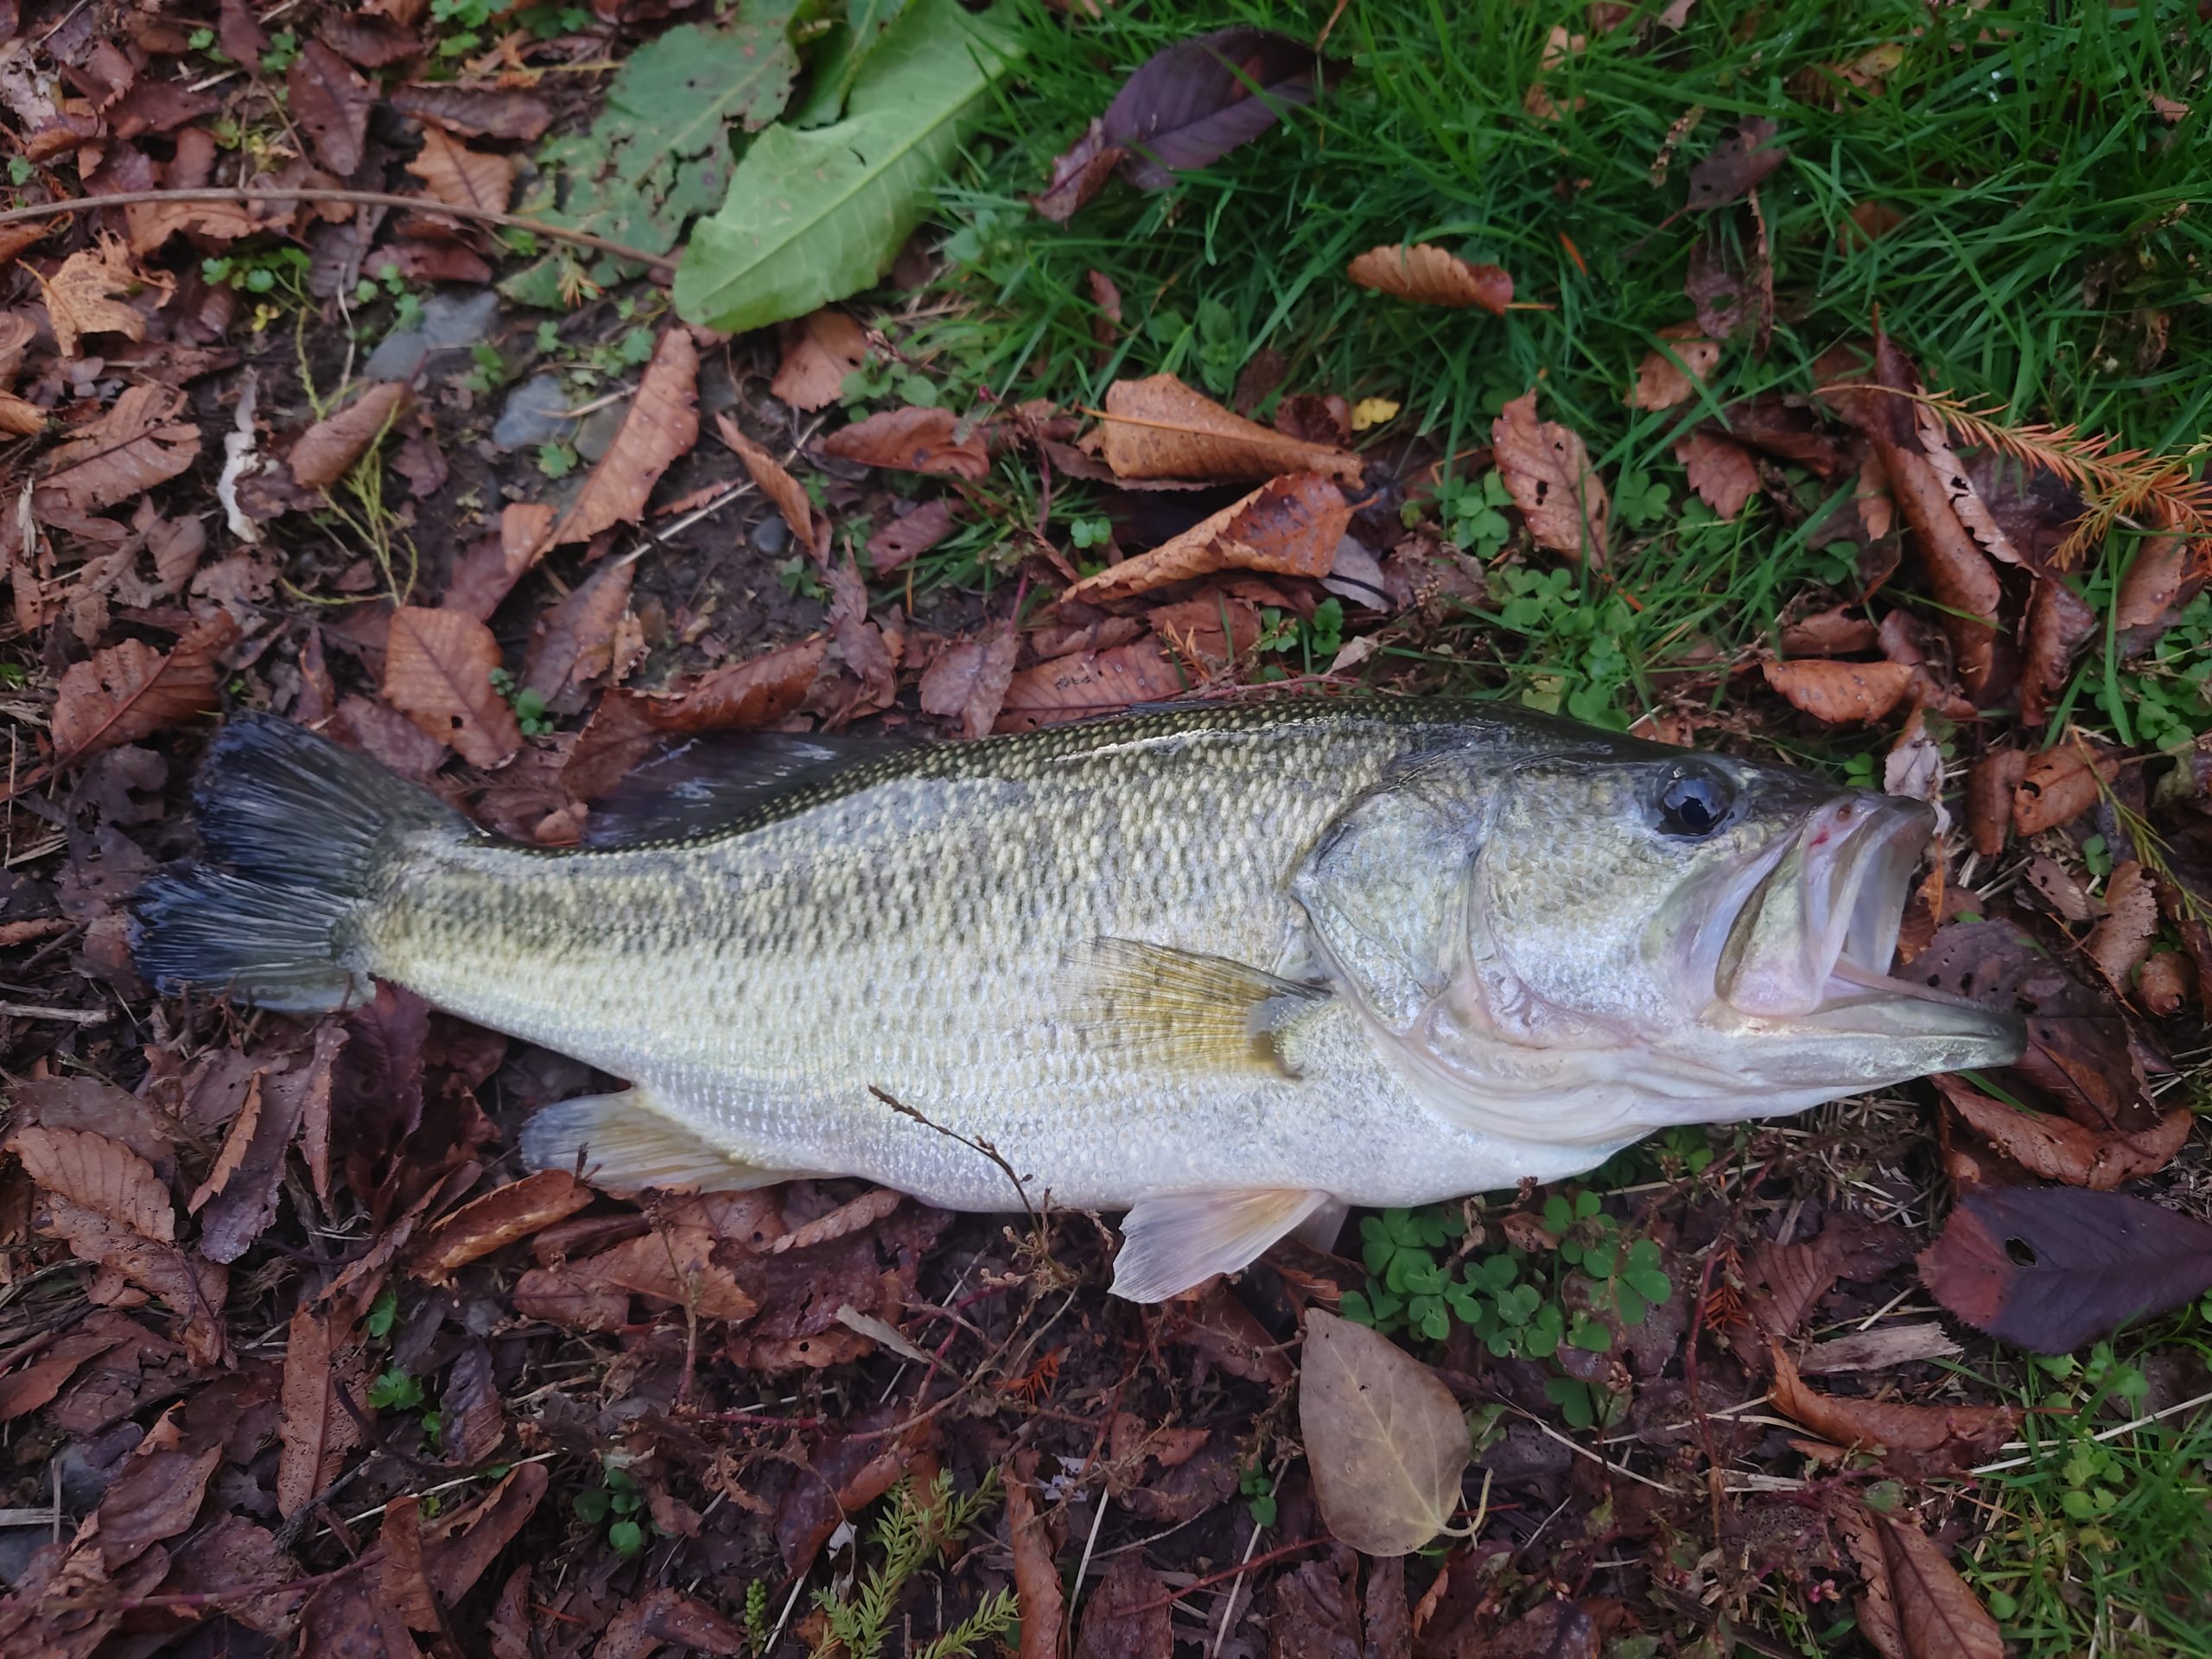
300 834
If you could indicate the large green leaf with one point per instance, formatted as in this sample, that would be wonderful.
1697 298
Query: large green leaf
836 60
814 216
659 155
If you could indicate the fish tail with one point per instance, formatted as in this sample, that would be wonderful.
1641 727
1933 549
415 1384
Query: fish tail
301 837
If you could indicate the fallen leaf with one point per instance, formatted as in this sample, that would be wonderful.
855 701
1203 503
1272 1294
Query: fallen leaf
1159 428
101 1175
2161 576
1036 1579
1839 693
1721 470
2059 785
1190 104
138 443
235 1142
487 571
1289 526
20 419
573 643
130 690
1112 1627
2059 624
2051 1269
314 1430
1990 783
1086 683
968 681
476 112
1832 632
333 102
1923 1440
871 656
2059 1149
912 440
1867 223
1784 1282
820 350
1917 1606
437 671
239 33
1670 375
906 537
1548 472
2165 981
371 42
461 177
739 697
496 1220
1428 275
1079 173
2122 939
155 1496
1316 1615
464 1542
662 424
677 1262
1730 284
80 298
326 452
1736 165
788 495
1384 1436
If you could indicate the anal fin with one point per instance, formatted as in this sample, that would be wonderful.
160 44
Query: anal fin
1182 1009
1178 1240
623 1142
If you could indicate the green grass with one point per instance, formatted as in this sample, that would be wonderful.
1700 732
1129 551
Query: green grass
2050 213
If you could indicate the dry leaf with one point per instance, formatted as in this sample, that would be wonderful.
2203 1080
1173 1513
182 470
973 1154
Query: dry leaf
326 452
130 690
1867 223
1159 428
912 440
1087 682
746 697
496 1220
333 102
462 177
786 492
2058 784
1548 472
819 351
1990 783
1926 1440
489 570
437 671
80 297
2123 938
969 680
1660 380
1917 1606
101 1175
477 112
1036 1579
1383 1437
2158 578
573 643
235 1144
1721 470
662 423
905 538
1832 632
1736 165
1428 275
1288 526
138 443
1079 173
2059 624
2165 983
314 1429
1841 692
2059 1149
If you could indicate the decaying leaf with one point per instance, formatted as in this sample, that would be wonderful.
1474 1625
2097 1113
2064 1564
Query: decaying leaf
1921 1440
2051 1269
906 537
1720 469
100 1174
1079 173
1547 469
772 480
1159 428
573 644
1917 1606
1991 782
2058 1148
476 111
1384 1438
1671 373
1190 104
1840 693
1289 526
1428 275
2059 785
487 570
138 443
1036 1579
819 350
968 680
913 440
499 1219
1126 1616
1737 166
462 177
82 298
130 690
1087 682
333 102
2060 622
326 452
739 697
437 671
2122 938
662 424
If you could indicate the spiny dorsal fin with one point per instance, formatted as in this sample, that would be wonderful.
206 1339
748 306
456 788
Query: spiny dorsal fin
1182 1009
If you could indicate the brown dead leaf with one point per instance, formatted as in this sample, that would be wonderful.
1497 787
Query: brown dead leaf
740 696
913 440
677 1262
573 643
1126 1616
1036 1579
1547 469
438 672
496 1220
235 1142
1785 1282
819 350
1288 526
1867 223
1833 632
2059 1149
1839 693
786 492
1721 470
487 571
907 538
1079 173
2059 624
130 690
1661 381
1990 783
462 177
2058 784
2165 982
662 423
2120 942
326 452
314 1429
192 1287
1737 166
2160 576
155 1496
1730 283
333 102
81 297
1159 428
1917 1606
138 443
477 112
1428 275
1087 682
101 1175
968 680
20 419
1924 1440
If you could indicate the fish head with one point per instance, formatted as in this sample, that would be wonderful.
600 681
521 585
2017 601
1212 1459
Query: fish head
1605 942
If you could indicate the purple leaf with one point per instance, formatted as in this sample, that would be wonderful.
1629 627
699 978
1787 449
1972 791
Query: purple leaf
1190 105
2052 1267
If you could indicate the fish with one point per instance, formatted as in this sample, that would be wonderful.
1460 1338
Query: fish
1229 968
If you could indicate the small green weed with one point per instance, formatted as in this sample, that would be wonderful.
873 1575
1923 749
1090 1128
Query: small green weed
260 271
1257 1488
528 704
615 1504
912 1533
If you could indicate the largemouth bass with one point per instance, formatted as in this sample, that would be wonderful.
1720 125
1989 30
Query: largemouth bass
1229 968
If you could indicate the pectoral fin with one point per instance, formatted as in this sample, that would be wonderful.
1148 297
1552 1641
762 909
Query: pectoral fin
625 1141
1171 1244
1183 1010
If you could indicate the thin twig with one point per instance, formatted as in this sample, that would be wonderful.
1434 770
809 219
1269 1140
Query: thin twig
358 198
1020 1190
2102 1434
66 1016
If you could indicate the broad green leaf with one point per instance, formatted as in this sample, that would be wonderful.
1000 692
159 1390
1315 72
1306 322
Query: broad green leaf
812 217
658 156
1384 1436
836 60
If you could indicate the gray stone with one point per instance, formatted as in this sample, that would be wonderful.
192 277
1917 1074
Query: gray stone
453 320
534 414
596 434
772 535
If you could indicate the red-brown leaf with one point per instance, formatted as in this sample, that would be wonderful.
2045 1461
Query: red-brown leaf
326 452
1721 471
476 112
437 671
1917 1606
820 350
1925 1439
138 443
1290 526
496 1220
968 680
912 440
904 538
1427 274
662 423
1036 1579
788 495
1838 693
130 690
1547 469
2059 624
462 177
333 102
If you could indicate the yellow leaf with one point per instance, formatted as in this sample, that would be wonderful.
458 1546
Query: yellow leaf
1373 411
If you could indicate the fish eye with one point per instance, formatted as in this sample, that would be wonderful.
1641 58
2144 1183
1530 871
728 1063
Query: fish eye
1693 805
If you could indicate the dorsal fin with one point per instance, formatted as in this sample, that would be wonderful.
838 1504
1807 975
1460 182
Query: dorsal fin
696 784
